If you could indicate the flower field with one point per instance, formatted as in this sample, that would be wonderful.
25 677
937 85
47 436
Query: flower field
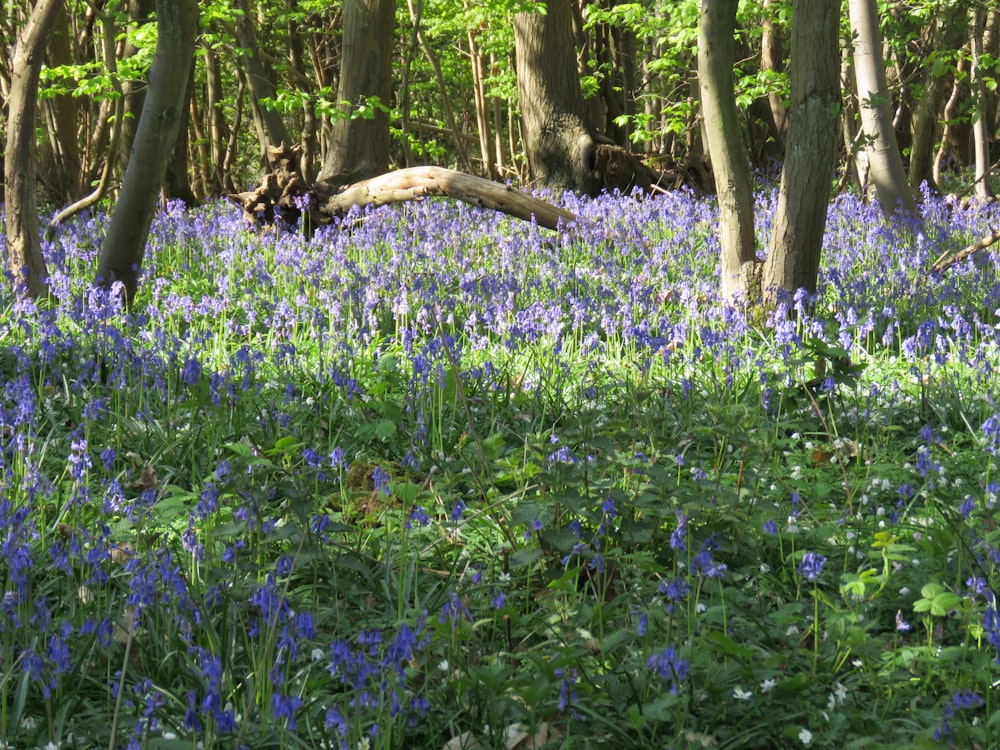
434 478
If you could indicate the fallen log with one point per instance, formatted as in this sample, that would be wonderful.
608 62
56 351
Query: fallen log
283 197
948 259
416 183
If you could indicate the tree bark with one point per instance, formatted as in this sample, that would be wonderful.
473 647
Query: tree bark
65 169
771 59
558 140
124 247
981 144
359 145
927 115
811 150
134 92
884 160
739 272
24 249
271 130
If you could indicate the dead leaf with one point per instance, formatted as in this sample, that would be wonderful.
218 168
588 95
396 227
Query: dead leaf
464 741
147 479
126 627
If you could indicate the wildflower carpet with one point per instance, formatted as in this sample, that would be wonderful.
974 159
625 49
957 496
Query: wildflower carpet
435 478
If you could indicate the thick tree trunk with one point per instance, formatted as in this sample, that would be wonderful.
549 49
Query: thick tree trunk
24 250
124 247
558 139
64 173
740 271
811 150
359 145
884 159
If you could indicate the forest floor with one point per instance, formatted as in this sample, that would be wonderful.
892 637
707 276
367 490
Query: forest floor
435 478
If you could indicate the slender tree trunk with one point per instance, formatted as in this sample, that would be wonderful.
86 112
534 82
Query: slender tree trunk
125 245
771 60
360 142
177 180
884 159
927 115
24 249
981 147
740 273
557 136
950 111
811 150
134 92
486 144
271 130
218 127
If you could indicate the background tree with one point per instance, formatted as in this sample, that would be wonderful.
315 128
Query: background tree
24 251
124 246
811 152
739 266
558 140
359 145
885 163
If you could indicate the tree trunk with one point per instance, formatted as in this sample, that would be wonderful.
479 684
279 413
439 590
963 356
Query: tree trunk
218 127
124 247
134 92
557 137
739 276
884 159
65 167
771 60
24 249
811 150
359 145
981 147
177 181
927 115
271 130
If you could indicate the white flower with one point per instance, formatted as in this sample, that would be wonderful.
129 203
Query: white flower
805 736
700 607
768 685
840 692
742 695
443 666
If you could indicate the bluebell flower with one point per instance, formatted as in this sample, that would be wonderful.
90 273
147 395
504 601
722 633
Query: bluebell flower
811 566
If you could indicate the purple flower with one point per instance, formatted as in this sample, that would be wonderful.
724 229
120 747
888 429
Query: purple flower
811 566
668 666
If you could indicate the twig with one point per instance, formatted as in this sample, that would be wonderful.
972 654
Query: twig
947 260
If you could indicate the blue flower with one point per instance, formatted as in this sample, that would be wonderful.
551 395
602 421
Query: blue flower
811 566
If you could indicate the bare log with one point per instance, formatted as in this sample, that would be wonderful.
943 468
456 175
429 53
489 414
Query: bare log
283 196
947 260
416 183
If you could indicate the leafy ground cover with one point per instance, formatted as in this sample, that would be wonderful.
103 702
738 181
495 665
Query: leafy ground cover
435 477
